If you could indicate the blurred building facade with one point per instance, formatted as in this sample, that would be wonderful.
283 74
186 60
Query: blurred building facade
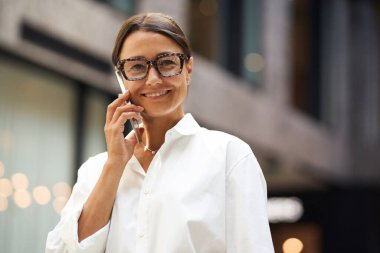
298 80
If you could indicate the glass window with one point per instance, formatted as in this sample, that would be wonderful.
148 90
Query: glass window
126 6
305 46
37 150
377 6
49 126
229 33
203 28
251 53
95 108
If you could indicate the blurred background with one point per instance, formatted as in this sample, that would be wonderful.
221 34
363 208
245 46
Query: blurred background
296 79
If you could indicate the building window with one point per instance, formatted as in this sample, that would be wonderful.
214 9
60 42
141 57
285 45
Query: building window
49 125
94 118
126 6
203 28
377 6
229 34
37 152
305 46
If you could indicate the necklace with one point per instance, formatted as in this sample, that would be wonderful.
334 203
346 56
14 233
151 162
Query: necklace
146 148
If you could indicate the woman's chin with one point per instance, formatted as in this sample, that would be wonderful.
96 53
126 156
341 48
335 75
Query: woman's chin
155 113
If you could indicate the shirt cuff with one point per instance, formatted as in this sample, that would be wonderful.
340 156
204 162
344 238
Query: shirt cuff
93 244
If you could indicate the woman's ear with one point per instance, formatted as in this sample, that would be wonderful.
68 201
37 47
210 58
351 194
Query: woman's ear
189 67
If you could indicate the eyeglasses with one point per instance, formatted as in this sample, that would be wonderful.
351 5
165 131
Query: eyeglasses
137 68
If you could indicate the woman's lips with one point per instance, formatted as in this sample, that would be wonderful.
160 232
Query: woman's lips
156 94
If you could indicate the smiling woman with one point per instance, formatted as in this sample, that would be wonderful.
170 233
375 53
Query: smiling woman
160 90
183 188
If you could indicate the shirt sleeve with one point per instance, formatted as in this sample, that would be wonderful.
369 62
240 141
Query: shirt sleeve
247 225
64 237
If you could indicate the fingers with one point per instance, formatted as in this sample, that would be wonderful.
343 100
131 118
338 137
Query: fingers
120 122
119 106
118 112
121 100
128 108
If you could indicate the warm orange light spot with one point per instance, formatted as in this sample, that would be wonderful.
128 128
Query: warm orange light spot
62 189
22 198
41 195
20 181
292 245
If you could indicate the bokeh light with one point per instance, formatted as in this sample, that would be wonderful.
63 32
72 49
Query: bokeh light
208 7
254 62
62 189
22 198
59 203
292 245
41 195
288 209
20 181
5 187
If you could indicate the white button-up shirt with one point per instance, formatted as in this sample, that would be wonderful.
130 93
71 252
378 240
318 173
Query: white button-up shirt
204 192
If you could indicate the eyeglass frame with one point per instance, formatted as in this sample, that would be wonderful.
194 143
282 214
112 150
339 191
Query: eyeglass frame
182 57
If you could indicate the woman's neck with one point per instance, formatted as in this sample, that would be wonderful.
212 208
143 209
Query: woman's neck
155 129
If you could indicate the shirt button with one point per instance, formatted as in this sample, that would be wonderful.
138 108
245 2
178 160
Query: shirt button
146 191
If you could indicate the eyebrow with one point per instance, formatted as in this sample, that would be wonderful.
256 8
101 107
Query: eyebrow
136 58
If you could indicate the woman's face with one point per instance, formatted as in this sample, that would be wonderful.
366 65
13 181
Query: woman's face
160 96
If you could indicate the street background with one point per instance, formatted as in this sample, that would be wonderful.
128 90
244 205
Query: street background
298 80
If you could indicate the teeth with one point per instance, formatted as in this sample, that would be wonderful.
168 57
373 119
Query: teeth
156 94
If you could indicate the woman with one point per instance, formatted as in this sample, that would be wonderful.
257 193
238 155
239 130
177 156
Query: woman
183 188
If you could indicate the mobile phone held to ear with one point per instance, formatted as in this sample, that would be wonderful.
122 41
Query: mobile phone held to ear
134 123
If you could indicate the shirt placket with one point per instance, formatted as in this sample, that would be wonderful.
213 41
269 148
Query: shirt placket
143 229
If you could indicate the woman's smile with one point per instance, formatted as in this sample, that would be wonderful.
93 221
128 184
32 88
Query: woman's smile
156 94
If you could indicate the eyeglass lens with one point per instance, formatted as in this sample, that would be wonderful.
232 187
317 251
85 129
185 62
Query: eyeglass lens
166 66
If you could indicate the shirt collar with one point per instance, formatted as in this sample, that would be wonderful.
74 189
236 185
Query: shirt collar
187 125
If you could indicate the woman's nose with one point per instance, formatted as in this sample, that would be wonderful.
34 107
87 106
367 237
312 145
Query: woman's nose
153 77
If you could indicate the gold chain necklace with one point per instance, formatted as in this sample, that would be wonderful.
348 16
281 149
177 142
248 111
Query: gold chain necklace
146 148
151 151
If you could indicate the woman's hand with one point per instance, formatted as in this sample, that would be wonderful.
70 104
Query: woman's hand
98 207
120 149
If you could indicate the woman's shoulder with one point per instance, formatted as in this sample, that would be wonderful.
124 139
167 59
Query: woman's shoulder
230 148
229 141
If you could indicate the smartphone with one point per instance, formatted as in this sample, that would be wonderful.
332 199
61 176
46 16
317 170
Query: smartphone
134 123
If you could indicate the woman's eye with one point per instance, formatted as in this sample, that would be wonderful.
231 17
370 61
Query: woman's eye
136 67
166 63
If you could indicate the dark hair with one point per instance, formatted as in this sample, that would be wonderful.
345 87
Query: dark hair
150 22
